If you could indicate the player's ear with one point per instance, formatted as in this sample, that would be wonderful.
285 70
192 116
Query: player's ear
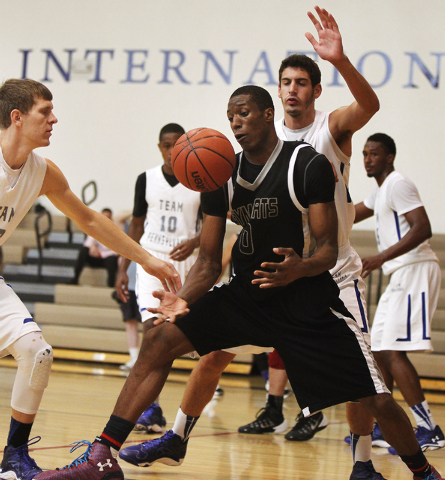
269 114
16 117
317 90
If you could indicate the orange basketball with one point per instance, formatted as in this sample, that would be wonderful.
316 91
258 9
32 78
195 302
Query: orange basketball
203 159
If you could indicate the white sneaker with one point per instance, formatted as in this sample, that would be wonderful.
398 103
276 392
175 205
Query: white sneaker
126 367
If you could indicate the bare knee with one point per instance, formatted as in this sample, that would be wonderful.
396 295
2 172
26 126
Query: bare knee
216 362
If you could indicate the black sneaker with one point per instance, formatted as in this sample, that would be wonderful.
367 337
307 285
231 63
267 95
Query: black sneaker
268 420
365 471
307 427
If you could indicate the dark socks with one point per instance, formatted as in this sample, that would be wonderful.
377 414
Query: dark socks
417 463
276 402
18 433
116 432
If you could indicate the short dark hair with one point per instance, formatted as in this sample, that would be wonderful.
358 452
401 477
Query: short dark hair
20 94
107 210
171 128
258 94
388 143
304 63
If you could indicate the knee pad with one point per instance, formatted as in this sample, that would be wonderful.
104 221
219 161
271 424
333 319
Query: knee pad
275 361
40 371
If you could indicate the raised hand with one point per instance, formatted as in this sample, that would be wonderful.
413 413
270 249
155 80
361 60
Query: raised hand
329 46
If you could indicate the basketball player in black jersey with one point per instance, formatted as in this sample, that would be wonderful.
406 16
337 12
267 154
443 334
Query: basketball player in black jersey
282 295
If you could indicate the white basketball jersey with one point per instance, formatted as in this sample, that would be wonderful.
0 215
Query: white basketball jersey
319 136
172 214
16 200
396 196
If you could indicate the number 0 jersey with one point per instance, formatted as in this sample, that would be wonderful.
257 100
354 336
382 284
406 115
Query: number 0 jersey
273 208
172 213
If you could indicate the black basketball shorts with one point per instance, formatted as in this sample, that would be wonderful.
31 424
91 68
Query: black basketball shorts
326 357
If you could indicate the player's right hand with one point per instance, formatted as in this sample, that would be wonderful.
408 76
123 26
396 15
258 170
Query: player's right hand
170 308
122 286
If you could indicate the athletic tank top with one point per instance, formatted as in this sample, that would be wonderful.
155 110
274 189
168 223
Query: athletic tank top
172 215
319 136
16 200
273 211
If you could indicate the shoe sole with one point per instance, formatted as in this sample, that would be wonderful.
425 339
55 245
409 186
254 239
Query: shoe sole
9 475
380 444
139 428
433 446
305 439
165 461
278 429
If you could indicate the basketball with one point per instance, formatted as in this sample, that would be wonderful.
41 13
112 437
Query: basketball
203 159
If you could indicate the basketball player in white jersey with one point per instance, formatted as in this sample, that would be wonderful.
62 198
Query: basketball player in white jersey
26 123
402 321
330 134
166 222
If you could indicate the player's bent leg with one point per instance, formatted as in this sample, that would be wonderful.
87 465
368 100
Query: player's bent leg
393 422
34 358
170 449
361 424
203 382
160 346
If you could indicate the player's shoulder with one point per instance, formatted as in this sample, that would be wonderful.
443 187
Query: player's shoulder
305 152
397 178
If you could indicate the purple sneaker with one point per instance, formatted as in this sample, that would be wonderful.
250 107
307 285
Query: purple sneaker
151 420
428 439
169 449
97 463
17 464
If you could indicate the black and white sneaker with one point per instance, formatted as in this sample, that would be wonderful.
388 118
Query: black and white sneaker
307 427
268 420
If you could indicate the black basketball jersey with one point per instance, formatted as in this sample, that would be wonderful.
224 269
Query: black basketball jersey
273 208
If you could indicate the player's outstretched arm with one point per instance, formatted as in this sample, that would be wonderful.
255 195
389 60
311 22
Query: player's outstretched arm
202 275
329 47
56 188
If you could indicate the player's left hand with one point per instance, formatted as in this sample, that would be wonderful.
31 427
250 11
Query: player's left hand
282 273
183 250
370 264
165 272
329 46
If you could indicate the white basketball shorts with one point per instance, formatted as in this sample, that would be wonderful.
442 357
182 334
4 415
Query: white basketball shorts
405 310
15 319
146 284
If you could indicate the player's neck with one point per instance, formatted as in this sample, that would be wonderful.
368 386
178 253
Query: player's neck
168 170
383 176
14 152
300 121
261 155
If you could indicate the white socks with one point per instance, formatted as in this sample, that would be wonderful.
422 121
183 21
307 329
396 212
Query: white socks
422 416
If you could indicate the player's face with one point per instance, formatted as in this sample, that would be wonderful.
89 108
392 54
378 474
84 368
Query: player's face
248 123
296 91
166 145
377 162
37 124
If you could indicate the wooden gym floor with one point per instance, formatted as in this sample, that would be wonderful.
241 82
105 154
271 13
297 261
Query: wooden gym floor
77 406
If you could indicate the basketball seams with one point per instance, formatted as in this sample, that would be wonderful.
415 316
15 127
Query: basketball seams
207 169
